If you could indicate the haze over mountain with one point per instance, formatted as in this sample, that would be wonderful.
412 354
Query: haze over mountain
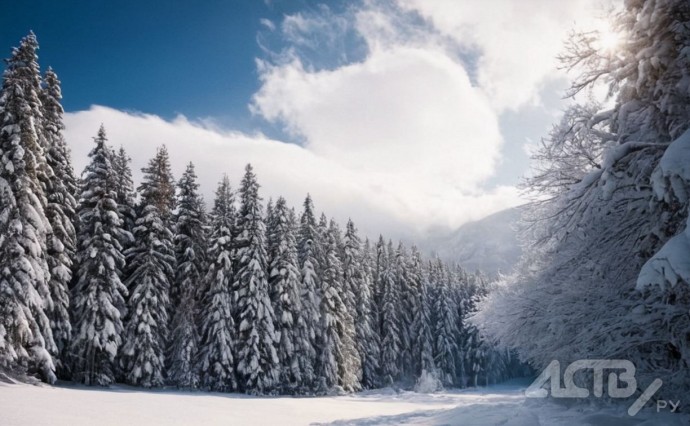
489 245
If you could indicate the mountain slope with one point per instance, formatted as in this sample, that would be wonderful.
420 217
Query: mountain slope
489 244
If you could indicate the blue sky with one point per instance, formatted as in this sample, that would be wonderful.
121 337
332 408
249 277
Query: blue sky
195 58
410 116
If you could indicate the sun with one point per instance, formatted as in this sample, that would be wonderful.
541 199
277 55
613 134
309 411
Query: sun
609 40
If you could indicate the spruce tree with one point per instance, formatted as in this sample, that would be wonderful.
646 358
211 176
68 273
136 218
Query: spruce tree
445 332
368 342
331 308
124 188
309 291
158 185
284 282
151 266
257 357
61 206
405 281
26 338
190 257
390 320
98 296
422 347
217 350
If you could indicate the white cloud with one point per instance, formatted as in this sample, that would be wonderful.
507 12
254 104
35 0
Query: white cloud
517 41
283 169
406 114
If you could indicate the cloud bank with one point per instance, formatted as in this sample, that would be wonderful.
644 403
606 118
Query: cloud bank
283 169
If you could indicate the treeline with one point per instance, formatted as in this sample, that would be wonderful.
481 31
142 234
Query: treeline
100 282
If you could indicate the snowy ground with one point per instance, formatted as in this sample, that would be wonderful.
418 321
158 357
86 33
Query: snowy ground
497 405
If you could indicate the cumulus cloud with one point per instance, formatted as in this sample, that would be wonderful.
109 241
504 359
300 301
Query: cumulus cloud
283 169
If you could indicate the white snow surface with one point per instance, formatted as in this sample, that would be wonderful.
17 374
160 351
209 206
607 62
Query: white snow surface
68 404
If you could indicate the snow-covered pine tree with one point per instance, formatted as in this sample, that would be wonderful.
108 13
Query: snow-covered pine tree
61 189
257 362
380 265
217 350
352 269
308 240
332 309
422 346
151 265
98 298
462 290
25 276
159 184
124 188
390 319
368 342
285 283
405 282
445 331
190 260
349 363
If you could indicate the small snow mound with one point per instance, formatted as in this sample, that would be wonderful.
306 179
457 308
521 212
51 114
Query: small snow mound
428 382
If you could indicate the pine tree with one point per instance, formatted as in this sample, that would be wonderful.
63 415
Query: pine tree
423 354
331 313
190 256
257 358
124 188
26 338
406 281
309 291
380 265
158 184
284 282
151 264
390 331
98 296
368 342
445 330
216 360
61 189
349 361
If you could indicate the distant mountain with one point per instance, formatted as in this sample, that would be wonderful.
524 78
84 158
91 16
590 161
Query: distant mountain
489 244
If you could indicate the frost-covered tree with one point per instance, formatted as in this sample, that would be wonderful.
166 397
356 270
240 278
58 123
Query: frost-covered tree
390 319
26 338
308 241
217 350
422 346
349 361
285 283
598 243
61 189
124 188
190 261
257 360
151 264
406 281
98 298
158 184
368 342
333 353
445 330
